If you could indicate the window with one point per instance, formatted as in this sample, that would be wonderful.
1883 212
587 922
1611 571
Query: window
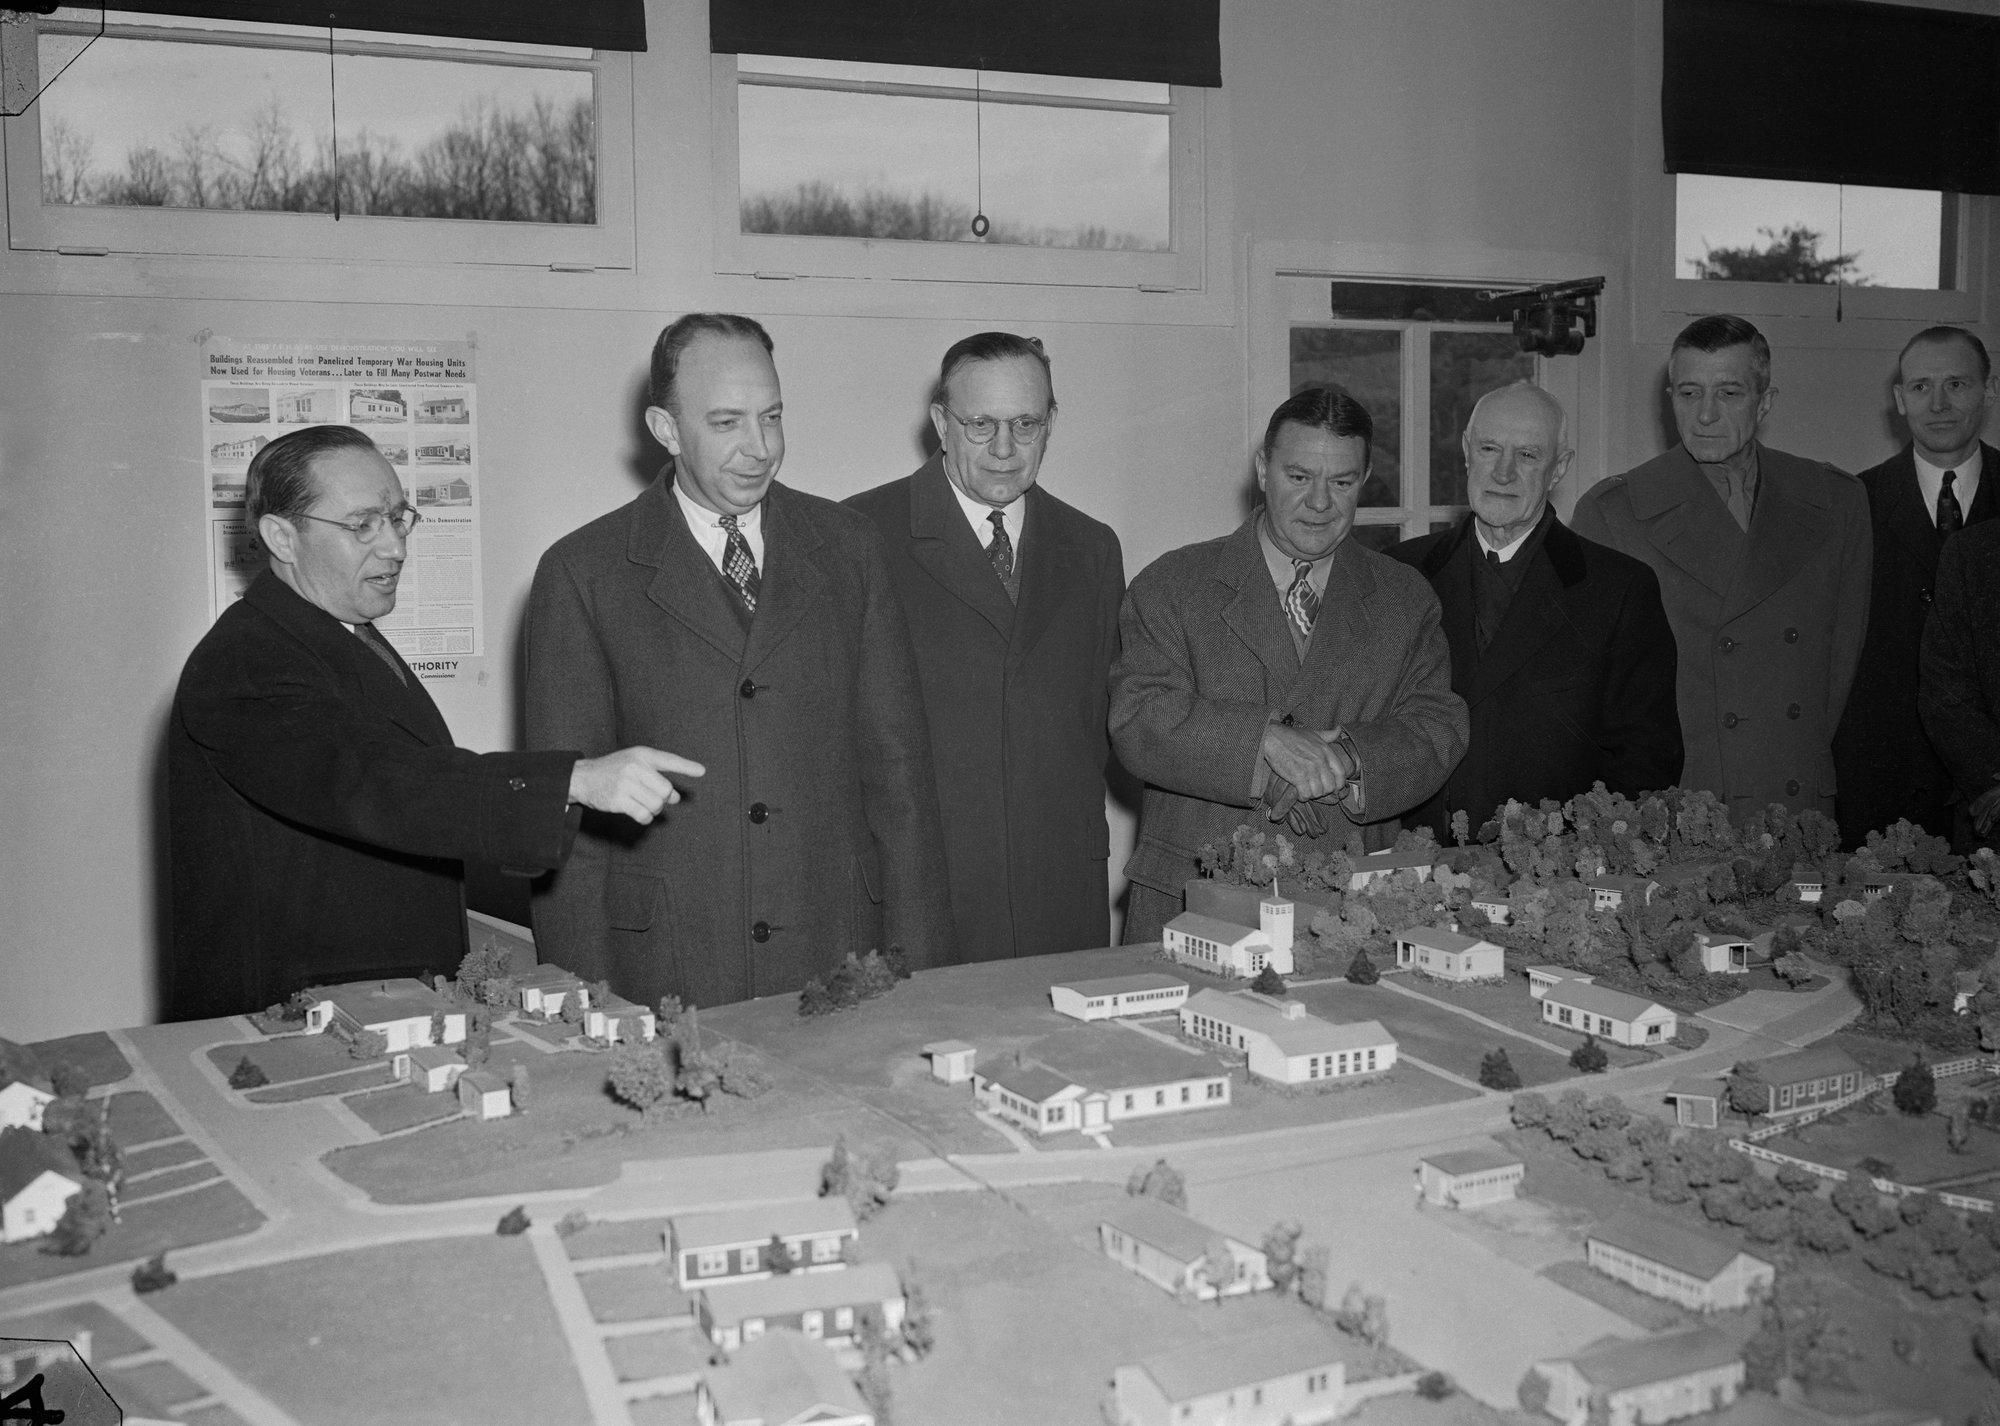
813 1324
749 1260
825 1250
1772 230
845 168
217 137
711 1264
843 1319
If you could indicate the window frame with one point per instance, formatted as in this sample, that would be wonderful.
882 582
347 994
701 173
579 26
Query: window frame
1180 267
36 226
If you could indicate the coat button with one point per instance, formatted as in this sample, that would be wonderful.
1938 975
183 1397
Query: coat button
1727 645
1793 710
1792 788
517 784
760 932
1924 597
1791 636
1730 720
759 813
748 690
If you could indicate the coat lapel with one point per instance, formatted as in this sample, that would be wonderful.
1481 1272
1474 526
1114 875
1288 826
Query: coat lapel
1686 523
1789 525
1986 504
1338 631
1904 518
1047 559
942 542
407 705
1532 619
1253 614
1448 566
685 583
792 583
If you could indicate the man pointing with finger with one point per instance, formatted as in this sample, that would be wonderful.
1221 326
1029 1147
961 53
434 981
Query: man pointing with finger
1284 668
319 812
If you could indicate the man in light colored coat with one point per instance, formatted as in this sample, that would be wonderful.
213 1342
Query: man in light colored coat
1763 560
1282 671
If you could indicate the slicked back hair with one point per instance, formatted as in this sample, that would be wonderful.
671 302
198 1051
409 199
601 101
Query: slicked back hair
281 481
1947 334
1326 408
681 333
1719 333
990 346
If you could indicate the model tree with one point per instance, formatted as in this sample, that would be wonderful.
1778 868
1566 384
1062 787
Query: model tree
919 1319
778 1254
1161 1181
1281 1254
1746 1091
1218 1267
865 1180
1361 970
248 1074
1269 982
84 1220
639 1076
1589 1057
1915 1092
513 1222
517 1087
153 1275
1496 1071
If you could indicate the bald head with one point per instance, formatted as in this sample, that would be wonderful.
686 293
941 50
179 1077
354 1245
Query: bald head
1516 452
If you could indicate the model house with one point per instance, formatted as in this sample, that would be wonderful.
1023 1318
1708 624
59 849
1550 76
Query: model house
544 989
1469 1178
376 406
951 1060
826 1306
783 1378
1608 891
1965 985
1226 948
614 1019
1809 1078
1697 1102
1723 954
1700 1272
1608 1014
1541 979
1091 1080
736 1244
1290 1376
1655 1379
1448 955
1283 1042
1171 1250
1242 905
404 1012
22 1102
38 1177
1809 889
432 1066
1380 866
1498 910
485 1095
1149 994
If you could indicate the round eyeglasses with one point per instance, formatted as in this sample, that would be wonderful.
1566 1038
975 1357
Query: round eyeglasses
982 429
368 528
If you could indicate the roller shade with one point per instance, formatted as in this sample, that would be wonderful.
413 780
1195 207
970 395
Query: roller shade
1832 91
1156 41
597 24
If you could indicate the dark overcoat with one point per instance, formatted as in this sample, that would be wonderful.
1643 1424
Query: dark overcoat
1959 687
1017 700
1887 767
1769 625
319 814
815 831
1208 664
1576 687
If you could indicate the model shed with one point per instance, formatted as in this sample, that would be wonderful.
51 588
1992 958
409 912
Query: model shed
1704 1273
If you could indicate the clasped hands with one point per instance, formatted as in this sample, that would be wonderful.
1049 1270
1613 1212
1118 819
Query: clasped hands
1306 766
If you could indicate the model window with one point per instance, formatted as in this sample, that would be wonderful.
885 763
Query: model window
813 1324
825 1250
843 1319
749 1259
711 1264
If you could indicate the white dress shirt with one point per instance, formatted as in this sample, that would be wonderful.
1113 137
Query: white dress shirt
1507 551
1964 485
706 527
979 515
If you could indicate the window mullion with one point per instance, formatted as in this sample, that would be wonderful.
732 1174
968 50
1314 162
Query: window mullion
1415 494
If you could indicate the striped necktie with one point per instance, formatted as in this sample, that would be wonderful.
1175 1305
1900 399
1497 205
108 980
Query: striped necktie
737 565
1301 603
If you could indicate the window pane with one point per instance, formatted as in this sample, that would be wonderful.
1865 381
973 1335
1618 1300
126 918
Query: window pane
154 123
841 164
1464 367
1369 363
1440 525
1129 91
1378 537
1762 230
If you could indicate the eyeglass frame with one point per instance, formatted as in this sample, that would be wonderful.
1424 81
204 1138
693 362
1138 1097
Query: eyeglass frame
390 519
1013 424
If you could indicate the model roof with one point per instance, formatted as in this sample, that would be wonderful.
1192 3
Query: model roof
1618 881
485 1081
18 1062
1813 1062
1599 1000
1439 940
733 1227
374 1001
1120 984
1218 1364
947 1047
1696 1088
614 1004
1162 1226
1697 1254
1307 1035
25 1155
1035 1083
1458 1161
1722 938
431 1056
1209 928
1561 973
1757 1409
801 1292
1394 860
547 974
780 1378
1614 1366
1109 1058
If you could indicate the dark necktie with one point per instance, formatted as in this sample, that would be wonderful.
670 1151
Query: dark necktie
1001 551
737 566
1739 499
1301 603
1950 518
379 646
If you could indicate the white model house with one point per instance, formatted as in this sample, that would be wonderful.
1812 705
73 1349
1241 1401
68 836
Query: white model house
1498 910
1542 978
1469 1178
1226 948
1380 866
402 1011
1700 1272
431 1066
1697 1101
735 1244
1151 993
1174 1252
22 1102
1091 1080
544 989
827 1306
614 1019
1809 888
783 1378
951 1060
1283 1042
1292 1375
1646 1382
1608 892
1723 954
1608 1014
1449 955
485 1095
38 1177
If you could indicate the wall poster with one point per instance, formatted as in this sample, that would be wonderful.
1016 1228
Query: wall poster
419 403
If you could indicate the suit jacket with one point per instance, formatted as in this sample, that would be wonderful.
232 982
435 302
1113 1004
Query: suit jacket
1208 664
1958 694
319 813
815 832
1769 625
1887 767
1017 701
1576 687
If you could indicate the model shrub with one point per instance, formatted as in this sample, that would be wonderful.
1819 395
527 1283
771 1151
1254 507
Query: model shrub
1496 1071
1268 982
248 1074
1916 1088
1435 1386
154 1274
1589 1057
514 1221
1361 970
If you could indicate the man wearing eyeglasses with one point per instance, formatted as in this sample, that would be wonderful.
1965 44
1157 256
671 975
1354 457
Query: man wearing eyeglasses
1012 597
319 814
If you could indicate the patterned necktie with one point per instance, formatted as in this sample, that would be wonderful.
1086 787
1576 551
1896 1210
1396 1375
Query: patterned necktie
1001 551
737 566
1739 499
379 646
1950 518
1300 600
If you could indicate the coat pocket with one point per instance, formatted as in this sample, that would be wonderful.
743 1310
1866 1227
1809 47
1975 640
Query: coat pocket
633 902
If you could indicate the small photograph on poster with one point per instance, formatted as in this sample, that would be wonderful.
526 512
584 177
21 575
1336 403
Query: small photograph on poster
227 489
314 406
443 490
451 407
396 452
236 558
239 405
447 451
377 406
236 450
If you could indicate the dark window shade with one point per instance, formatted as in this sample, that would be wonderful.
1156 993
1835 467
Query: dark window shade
1156 41
1833 91
598 24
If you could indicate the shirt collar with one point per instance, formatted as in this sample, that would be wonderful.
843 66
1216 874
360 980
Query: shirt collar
980 515
1932 474
1280 564
700 517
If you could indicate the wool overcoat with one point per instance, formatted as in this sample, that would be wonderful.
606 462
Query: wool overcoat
1769 624
1576 687
1208 665
1017 700
1959 690
815 831
1886 765
320 816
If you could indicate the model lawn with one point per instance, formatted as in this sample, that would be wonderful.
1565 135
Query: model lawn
1430 1029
